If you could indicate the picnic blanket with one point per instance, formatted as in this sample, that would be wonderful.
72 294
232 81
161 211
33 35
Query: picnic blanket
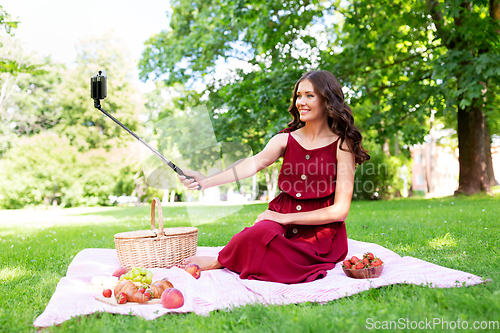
223 289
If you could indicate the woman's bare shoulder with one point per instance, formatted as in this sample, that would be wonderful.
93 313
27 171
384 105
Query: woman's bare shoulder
282 136
279 140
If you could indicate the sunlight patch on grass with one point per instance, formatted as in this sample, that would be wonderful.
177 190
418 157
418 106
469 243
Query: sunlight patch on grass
441 242
496 190
402 249
7 233
11 273
198 214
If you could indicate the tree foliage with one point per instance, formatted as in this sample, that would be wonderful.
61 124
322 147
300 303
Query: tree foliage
26 96
85 126
269 39
80 162
38 168
7 64
406 60
45 167
6 21
264 46
402 61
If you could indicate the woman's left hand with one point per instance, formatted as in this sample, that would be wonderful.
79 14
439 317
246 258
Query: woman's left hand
271 216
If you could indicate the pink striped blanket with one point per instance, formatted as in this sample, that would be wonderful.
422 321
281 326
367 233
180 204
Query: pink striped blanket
223 289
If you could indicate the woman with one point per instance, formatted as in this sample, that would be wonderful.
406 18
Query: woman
302 234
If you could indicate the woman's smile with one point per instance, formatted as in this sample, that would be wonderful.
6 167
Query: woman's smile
309 103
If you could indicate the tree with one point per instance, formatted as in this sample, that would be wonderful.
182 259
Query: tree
85 126
44 168
269 39
6 22
405 60
79 162
7 64
26 101
401 60
37 170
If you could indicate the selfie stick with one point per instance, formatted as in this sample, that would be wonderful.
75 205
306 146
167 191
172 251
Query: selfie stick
98 91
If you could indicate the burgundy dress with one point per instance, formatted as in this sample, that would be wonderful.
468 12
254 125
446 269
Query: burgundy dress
270 251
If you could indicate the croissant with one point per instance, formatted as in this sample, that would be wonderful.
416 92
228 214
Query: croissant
159 287
130 289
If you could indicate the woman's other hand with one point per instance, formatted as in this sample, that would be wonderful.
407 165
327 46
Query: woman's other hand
192 183
271 216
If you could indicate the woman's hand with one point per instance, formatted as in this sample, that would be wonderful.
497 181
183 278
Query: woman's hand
192 183
271 216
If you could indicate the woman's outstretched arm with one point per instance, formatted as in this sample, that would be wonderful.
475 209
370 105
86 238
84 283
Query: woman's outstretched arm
242 169
337 212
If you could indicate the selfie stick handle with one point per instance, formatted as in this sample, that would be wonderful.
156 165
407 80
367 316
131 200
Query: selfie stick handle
98 91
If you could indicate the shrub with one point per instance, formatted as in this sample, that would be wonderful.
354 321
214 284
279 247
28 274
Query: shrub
379 178
45 167
37 170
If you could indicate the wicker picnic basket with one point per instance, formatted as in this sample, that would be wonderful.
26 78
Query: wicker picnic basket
153 248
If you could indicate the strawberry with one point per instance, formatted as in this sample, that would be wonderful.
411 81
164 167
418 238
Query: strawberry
377 262
148 294
347 264
366 261
359 265
142 290
121 298
369 255
106 293
354 260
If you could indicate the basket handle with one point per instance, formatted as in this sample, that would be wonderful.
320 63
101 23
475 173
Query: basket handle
160 216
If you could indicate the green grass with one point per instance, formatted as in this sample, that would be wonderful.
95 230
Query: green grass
460 233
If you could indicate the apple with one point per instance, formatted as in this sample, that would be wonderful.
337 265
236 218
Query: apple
194 270
120 271
172 298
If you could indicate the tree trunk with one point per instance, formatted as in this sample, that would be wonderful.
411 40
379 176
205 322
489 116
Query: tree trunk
470 129
396 145
271 174
164 198
255 189
487 154
432 151
385 148
424 168
494 7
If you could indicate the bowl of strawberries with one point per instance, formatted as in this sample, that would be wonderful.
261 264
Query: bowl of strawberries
368 267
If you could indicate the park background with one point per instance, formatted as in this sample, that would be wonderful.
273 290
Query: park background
422 79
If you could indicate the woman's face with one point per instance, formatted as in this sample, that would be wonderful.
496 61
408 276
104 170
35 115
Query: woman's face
310 104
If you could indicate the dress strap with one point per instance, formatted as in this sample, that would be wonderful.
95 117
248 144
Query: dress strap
287 130
337 142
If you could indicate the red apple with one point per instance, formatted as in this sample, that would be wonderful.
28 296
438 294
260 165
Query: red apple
172 298
120 271
194 270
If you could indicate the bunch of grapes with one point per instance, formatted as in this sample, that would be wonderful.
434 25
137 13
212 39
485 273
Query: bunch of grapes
138 274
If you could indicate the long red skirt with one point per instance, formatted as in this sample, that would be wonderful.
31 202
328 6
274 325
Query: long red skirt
270 251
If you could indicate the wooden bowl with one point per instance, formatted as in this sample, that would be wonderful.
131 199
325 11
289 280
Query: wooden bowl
365 273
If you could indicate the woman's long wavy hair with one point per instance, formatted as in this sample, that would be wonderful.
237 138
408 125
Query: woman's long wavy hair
340 117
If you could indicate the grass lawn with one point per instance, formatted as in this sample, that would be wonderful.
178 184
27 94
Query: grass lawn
459 233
